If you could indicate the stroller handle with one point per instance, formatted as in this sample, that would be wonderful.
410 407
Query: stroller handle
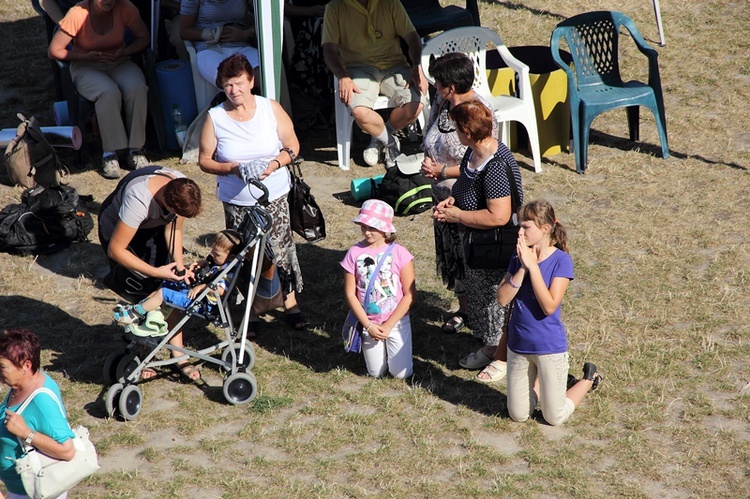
263 199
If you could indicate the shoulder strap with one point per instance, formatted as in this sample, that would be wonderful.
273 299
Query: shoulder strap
515 197
28 400
37 392
375 273
141 172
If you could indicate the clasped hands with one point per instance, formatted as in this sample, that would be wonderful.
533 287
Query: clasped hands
379 332
106 57
446 211
431 168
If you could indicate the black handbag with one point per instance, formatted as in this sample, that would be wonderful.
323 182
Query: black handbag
305 216
493 248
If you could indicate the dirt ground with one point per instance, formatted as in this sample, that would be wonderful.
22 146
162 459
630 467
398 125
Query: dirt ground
659 300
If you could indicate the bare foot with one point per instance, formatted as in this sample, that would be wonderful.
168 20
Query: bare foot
148 373
190 371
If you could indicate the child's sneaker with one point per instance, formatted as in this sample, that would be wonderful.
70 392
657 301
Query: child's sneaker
128 315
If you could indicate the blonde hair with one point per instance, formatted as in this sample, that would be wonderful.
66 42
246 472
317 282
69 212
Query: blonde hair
541 212
228 239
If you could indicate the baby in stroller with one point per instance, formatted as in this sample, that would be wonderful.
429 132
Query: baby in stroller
179 294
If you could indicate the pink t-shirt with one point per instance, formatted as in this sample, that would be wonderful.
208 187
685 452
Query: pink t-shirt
76 24
386 292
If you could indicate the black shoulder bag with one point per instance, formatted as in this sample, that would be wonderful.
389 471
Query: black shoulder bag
305 216
493 248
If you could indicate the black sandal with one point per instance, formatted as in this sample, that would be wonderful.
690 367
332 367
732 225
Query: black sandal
590 373
297 321
455 323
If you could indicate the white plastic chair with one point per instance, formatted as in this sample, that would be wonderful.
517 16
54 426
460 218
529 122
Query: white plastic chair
204 91
474 41
344 122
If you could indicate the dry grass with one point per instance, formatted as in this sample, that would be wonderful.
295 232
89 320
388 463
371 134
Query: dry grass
662 267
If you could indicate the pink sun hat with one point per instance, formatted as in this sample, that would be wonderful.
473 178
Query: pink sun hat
376 214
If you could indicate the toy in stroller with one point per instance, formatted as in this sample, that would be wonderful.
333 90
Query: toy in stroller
122 370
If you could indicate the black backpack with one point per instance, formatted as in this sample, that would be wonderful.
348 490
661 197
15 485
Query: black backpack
47 220
408 194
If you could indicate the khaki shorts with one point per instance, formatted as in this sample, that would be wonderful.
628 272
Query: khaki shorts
390 82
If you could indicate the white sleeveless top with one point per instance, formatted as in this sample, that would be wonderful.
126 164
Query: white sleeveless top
240 141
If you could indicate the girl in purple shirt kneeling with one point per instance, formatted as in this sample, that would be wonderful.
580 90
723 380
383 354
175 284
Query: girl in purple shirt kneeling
537 278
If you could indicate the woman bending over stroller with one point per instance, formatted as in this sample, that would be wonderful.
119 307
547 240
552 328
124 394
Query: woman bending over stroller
179 294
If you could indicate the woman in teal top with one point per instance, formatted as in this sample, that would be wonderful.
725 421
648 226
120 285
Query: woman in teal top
42 424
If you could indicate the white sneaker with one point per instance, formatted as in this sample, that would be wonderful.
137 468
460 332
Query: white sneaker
371 155
392 150
110 167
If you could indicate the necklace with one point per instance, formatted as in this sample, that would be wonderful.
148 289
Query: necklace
249 112
482 152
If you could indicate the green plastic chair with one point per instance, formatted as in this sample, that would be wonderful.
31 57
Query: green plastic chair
594 82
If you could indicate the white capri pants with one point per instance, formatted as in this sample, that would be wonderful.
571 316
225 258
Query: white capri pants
392 355
210 58
552 370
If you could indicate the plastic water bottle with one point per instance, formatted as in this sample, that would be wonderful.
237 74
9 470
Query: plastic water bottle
179 127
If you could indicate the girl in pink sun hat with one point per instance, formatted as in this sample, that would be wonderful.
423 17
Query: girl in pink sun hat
379 288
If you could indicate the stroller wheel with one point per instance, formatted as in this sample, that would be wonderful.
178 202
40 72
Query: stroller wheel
110 367
130 402
126 366
240 388
248 359
112 399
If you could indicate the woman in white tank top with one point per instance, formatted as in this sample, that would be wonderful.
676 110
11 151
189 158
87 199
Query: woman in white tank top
251 129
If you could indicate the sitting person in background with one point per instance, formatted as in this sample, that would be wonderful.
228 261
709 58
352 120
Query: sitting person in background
362 48
310 82
180 294
219 29
170 9
56 9
103 73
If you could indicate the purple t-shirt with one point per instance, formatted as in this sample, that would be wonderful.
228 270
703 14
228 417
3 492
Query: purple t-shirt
386 292
530 331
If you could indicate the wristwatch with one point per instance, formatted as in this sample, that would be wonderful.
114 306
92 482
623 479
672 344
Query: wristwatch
30 438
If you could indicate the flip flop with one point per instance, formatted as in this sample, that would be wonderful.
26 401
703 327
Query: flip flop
495 371
148 373
455 323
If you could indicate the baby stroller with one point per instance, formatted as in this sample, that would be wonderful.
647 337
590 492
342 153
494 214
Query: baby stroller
123 369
